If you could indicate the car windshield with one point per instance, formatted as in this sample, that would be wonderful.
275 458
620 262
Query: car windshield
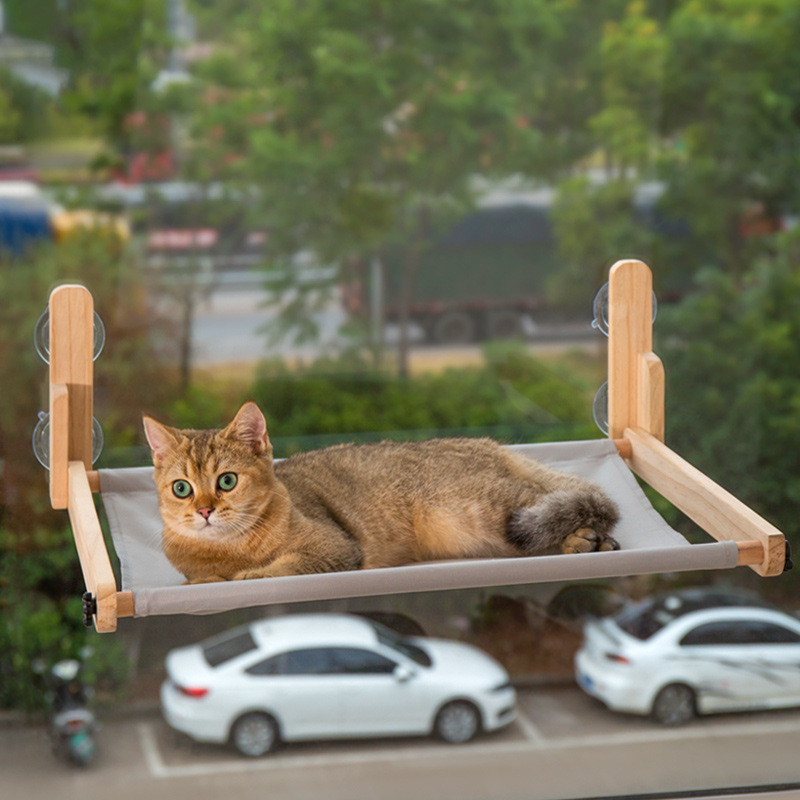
221 649
642 620
401 644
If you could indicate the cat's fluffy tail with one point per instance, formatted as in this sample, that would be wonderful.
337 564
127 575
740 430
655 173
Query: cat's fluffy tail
560 514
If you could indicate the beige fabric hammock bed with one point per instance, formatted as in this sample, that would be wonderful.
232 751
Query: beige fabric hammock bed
150 585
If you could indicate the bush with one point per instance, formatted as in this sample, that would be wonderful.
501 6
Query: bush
514 397
41 618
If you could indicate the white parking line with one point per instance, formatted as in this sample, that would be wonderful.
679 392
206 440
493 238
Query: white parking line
531 732
158 769
152 756
534 740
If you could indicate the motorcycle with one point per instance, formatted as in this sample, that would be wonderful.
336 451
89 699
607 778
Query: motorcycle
72 723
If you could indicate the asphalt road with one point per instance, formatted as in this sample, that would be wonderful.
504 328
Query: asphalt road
563 745
229 327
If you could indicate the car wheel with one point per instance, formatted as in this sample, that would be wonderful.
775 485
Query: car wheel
254 734
454 327
457 722
504 325
674 705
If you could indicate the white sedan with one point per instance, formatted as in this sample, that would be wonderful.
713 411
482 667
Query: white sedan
692 652
317 676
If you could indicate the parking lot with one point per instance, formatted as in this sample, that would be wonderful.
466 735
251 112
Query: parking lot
563 744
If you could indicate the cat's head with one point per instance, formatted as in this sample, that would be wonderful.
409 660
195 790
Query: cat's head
212 483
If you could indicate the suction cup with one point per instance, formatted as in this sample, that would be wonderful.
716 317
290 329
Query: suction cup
600 308
41 336
600 408
41 440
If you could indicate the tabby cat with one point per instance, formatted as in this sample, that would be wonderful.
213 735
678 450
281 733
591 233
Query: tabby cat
230 513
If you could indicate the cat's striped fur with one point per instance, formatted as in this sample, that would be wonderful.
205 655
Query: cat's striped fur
359 506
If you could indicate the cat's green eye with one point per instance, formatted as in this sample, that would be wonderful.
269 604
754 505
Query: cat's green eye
181 489
227 481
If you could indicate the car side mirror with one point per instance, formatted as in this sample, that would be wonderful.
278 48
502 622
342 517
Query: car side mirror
403 673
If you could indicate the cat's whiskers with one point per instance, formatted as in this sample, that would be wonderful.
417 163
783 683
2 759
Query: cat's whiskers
246 526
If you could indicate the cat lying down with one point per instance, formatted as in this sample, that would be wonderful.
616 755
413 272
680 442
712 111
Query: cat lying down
230 513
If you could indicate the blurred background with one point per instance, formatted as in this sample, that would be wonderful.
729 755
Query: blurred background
390 220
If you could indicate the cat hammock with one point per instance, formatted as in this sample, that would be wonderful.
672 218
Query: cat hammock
150 585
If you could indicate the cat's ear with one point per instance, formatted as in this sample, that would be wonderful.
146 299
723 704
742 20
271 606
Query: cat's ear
162 440
250 427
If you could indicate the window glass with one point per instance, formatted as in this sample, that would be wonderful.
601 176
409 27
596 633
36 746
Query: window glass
324 661
219 651
714 633
311 661
767 633
388 220
354 661
402 644
740 632
275 665
308 661
646 618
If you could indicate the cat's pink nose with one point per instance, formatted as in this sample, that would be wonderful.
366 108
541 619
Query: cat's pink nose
205 512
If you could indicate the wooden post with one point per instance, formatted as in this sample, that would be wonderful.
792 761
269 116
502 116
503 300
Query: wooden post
71 416
71 385
635 373
636 417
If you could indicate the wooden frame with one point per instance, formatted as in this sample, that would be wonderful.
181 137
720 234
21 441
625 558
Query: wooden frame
636 417
72 481
636 424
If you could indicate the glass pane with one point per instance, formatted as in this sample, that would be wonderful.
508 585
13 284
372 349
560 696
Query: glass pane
389 222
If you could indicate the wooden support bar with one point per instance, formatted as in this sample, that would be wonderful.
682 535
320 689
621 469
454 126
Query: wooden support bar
59 445
714 509
95 564
71 384
750 553
630 336
650 404
125 607
93 476
623 448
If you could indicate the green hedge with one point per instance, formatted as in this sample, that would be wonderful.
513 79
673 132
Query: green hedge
513 397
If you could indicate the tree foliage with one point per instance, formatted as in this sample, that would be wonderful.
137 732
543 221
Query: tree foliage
730 351
364 124
131 375
514 397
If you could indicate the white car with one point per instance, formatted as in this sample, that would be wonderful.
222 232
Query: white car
692 652
319 676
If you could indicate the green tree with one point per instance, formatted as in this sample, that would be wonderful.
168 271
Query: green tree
114 49
705 98
731 125
132 374
730 352
9 119
364 124
597 221
595 225
40 579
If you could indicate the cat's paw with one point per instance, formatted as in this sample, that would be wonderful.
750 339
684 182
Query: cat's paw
586 540
258 572
205 579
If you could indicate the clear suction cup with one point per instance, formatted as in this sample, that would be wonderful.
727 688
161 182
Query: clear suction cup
600 408
41 440
41 336
600 309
